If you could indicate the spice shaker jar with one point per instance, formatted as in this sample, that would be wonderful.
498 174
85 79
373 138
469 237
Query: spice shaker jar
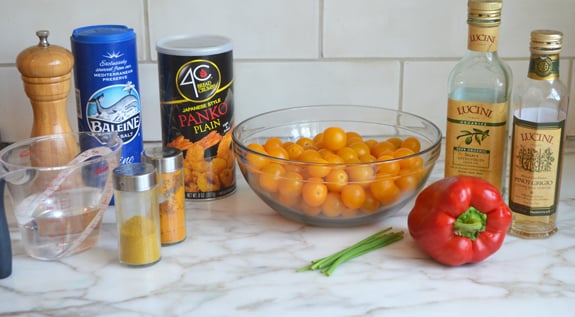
137 214
169 163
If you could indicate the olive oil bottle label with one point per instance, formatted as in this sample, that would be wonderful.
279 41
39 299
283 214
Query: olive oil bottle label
544 67
482 39
535 167
475 140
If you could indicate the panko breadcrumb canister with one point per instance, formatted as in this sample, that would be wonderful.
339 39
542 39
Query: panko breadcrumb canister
197 110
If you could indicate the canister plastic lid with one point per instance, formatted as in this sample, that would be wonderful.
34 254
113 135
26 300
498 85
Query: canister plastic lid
98 34
164 159
135 177
194 45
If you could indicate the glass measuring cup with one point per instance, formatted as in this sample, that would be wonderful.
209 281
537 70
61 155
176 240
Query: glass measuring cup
59 202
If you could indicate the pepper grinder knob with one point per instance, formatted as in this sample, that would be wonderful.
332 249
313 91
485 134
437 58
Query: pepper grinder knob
46 72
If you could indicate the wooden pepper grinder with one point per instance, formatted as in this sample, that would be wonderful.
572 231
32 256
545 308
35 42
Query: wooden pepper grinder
46 72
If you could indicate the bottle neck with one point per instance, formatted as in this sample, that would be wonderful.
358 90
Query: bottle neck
482 39
543 67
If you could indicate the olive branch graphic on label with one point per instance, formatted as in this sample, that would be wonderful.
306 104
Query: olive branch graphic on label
477 134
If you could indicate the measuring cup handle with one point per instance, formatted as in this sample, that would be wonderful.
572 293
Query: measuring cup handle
5 244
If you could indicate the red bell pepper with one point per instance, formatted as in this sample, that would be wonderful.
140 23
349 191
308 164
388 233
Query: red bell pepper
459 219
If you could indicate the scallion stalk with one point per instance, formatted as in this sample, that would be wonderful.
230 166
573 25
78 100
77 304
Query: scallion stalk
377 240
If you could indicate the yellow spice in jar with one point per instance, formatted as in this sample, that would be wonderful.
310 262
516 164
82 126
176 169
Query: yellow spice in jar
139 241
172 212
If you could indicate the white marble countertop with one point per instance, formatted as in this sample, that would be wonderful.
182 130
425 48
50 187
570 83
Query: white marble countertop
240 259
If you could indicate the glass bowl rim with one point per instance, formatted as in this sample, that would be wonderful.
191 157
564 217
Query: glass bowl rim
432 147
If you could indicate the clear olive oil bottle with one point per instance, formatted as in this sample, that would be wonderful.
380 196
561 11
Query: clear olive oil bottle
540 107
479 88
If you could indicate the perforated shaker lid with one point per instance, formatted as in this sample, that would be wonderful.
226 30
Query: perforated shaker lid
135 177
164 159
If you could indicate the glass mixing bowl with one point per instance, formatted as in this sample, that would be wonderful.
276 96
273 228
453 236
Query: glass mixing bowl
295 187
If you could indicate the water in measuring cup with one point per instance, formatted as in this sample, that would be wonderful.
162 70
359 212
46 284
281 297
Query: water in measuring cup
59 221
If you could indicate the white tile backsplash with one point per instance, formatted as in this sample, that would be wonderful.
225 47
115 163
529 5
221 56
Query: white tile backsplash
425 89
520 17
260 29
16 118
394 29
265 87
19 21
394 54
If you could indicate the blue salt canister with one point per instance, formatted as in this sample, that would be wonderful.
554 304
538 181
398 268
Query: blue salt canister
107 90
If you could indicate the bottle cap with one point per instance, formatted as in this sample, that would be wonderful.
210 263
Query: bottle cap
546 42
484 12
164 159
135 177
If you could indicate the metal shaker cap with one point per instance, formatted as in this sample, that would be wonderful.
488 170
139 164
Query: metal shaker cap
484 12
164 159
546 42
135 177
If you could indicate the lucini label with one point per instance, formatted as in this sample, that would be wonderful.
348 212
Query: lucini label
544 67
482 39
196 103
535 167
475 140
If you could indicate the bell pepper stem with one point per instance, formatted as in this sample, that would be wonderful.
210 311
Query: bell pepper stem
470 223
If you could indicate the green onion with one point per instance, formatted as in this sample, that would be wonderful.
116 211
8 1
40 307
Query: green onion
377 240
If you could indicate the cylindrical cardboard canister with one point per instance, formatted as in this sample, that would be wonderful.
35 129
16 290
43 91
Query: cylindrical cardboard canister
107 91
197 110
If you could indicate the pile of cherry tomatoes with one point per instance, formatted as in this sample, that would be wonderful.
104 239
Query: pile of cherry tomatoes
336 172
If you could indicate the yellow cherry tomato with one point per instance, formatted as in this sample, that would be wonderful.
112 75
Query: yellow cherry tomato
332 206
290 184
347 154
334 138
272 143
314 192
270 177
294 151
353 196
395 141
306 143
257 160
411 143
336 179
385 191
382 148
318 167
360 148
